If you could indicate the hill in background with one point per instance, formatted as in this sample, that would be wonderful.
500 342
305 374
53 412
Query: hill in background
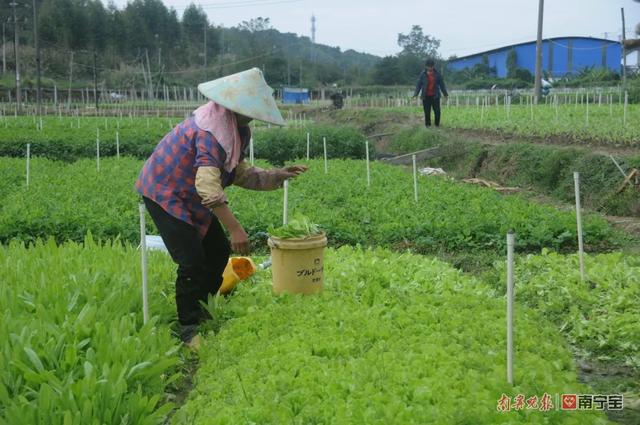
146 38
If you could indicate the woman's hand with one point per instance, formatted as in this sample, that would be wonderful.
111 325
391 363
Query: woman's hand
240 241
239 238
292 171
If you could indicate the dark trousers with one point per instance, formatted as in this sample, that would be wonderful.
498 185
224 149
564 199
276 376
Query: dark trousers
431 102
200 264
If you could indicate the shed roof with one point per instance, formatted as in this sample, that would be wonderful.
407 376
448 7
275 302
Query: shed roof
533 42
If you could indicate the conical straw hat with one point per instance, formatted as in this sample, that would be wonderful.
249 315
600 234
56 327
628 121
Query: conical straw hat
245 93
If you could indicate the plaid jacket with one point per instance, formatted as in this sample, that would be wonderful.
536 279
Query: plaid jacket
168 176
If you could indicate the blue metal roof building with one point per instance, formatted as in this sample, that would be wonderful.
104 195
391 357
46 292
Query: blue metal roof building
560 56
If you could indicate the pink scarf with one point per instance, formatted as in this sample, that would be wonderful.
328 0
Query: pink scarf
223 125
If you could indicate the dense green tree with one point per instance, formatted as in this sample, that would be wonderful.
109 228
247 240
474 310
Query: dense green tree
125 36
405 67
416 43
255 25
387 71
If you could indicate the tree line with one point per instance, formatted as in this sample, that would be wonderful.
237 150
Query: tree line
145 39
177 48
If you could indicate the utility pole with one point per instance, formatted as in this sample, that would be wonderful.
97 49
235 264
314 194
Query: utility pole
38 71
146 52
70 78
16 43
538 86
313 38
205 50
624 50
157 37
95 78
4 50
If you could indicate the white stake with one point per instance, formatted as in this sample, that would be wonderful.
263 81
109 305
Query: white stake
611 106
143 259
324 143
368 166
285 212
28 163
98 149
118 144
308 146
587 109
510 245
576 180
626 103
251 151
415 178
531 103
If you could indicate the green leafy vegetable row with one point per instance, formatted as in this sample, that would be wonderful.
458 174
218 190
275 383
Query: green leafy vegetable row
66 201
277 146
393 339
74 348
71 138
604 124
599 315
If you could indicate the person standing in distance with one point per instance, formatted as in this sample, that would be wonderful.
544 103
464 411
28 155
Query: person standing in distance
431 85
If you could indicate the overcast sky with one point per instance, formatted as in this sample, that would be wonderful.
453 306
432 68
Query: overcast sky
463 26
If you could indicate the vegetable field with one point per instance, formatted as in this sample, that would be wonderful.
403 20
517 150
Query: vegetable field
65 201
580 124
69 139
393 339
411 333
599 315
74 349
398 336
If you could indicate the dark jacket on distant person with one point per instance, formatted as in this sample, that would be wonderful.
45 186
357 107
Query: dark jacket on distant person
421 86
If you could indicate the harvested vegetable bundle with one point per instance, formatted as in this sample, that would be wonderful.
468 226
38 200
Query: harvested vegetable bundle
298 228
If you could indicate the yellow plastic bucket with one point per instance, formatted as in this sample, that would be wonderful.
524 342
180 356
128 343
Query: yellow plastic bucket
298 264
237 269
